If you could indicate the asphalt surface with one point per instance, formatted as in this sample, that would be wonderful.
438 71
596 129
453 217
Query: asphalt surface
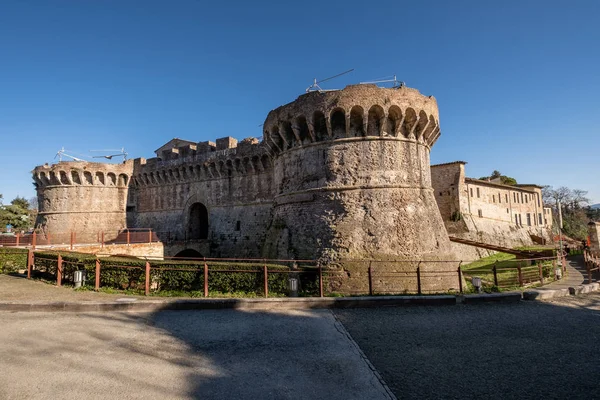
526 350
222 354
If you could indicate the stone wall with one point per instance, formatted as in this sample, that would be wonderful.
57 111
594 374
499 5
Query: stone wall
339 176
233 183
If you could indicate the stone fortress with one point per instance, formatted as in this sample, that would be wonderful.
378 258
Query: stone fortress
338 175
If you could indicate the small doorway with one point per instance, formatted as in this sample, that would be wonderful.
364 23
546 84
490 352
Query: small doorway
198 222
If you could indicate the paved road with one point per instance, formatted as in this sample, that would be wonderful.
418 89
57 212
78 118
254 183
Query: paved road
222 354
527 350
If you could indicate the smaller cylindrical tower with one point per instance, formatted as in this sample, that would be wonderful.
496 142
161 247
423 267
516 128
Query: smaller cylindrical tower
83 197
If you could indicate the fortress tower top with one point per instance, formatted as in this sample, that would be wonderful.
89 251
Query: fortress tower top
355 111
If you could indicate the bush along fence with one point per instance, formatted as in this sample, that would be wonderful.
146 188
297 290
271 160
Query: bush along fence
12 260
592 263
259 277
196 277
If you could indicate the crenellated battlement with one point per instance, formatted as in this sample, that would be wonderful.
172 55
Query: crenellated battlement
357 111
83 173
204 161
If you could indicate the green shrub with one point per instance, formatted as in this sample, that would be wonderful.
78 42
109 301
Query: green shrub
12 260
177 276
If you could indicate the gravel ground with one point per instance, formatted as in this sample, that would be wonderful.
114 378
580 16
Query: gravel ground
529 350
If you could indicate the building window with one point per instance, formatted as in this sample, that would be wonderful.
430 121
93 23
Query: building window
528 219
494 198
480 213
516 219
471 189
507 211
477 192
238 225
540 218
538 199
506 197
514 197
520 220
521 197
499 198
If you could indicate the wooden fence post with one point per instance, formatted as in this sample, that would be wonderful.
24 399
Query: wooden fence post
97 283
59 264
495 274
29 262
147 287
320 281
205 279
520 272
128 237
33 239
419 280
71 240
460 285
149 235
370 274
266 274
17 237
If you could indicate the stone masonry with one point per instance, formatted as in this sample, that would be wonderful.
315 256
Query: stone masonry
339 176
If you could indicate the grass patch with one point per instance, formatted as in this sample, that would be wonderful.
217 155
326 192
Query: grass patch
498 259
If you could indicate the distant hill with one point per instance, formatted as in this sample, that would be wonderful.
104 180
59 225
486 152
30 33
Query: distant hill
595 206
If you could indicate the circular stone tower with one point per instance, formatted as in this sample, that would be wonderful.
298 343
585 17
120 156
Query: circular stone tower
352 176
83 197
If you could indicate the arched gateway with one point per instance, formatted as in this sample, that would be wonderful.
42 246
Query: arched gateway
197 228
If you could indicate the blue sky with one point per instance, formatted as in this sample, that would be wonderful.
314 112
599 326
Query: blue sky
517 82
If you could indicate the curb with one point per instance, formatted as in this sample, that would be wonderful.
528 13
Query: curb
254 304
548 294
510 297
304 303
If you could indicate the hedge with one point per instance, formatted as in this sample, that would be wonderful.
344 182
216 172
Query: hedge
12 259
129 273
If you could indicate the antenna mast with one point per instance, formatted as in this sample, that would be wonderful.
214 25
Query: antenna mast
395 82
315 85
62 153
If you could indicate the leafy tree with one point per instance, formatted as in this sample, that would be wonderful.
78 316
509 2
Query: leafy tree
497 175
16 214
20 202
573 205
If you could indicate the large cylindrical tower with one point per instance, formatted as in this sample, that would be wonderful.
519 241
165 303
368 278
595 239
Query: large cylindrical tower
352 176
82 197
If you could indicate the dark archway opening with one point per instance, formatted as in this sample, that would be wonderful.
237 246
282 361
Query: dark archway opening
189 253
198 222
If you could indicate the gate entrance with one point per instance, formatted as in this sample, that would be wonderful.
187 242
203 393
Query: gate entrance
198 222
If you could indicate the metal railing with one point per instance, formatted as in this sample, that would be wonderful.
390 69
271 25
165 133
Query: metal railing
72 239
263 276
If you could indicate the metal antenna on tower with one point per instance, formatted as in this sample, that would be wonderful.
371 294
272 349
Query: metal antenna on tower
122 153
315 85
62 153
395 82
